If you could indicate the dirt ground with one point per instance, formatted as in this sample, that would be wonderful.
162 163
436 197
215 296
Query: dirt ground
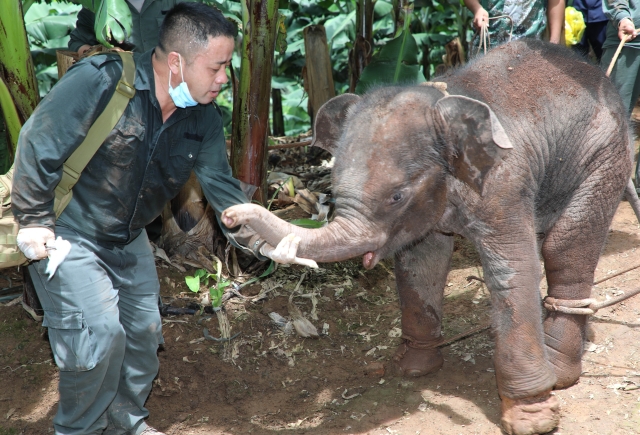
272 382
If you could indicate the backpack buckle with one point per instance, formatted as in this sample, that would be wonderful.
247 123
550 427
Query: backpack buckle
125 89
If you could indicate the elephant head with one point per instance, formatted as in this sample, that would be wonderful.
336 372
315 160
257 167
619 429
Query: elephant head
394 150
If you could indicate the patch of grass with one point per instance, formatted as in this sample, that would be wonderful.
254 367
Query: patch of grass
15 328
8 431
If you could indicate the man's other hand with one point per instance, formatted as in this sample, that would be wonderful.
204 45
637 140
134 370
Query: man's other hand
33 242
481 18
626 29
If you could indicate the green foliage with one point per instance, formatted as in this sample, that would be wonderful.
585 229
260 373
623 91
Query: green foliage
307 223
48 28
432 24
396 62
269 271
438 22
201 278
113 22
11 118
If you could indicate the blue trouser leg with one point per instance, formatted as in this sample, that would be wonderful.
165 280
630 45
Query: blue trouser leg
594 36
104 328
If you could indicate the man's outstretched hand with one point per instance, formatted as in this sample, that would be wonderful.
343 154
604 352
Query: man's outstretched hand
286 251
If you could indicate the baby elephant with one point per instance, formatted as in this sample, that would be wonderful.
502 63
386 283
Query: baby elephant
525 152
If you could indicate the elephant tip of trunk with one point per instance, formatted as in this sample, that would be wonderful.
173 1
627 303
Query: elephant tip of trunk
241 214
229 218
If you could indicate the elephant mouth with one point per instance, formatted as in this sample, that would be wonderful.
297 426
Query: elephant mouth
370 259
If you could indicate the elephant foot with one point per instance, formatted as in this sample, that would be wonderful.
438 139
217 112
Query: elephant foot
530 416
567 370
564 340
412 361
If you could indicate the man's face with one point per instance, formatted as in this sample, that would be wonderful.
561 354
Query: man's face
208 71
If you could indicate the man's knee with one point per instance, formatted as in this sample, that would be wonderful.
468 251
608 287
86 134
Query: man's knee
147 327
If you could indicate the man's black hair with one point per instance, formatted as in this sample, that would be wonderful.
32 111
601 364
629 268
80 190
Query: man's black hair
187 28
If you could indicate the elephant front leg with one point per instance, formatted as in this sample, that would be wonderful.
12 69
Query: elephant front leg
421 273
524 377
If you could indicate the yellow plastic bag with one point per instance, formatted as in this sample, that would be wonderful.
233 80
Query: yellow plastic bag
573 26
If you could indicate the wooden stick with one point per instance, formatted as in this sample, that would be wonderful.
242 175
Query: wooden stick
617 53
465 334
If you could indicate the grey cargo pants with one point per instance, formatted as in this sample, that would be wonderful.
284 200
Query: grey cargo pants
101 310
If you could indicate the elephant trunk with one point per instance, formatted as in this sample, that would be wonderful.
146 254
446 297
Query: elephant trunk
339 240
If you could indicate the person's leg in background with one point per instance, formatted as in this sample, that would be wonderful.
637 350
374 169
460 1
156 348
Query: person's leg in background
592 39
595 34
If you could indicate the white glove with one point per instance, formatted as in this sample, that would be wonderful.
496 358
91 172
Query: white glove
285 252
33 242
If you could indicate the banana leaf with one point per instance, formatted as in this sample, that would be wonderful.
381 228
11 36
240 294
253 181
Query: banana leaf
113 22
396 62
92 5
336 25
16 66
113 19
11 118
307 223
50 28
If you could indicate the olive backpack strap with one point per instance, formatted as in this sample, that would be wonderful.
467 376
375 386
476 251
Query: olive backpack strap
97 134
10 255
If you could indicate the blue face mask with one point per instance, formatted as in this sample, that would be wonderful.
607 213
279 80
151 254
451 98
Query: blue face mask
180 95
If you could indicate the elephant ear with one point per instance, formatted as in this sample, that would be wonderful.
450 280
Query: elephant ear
330 118
478 139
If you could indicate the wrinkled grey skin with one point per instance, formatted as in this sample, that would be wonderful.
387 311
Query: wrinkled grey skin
527 157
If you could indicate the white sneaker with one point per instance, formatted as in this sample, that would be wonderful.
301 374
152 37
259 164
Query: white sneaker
151 431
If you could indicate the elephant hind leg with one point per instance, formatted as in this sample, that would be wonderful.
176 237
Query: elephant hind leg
571 251
421 273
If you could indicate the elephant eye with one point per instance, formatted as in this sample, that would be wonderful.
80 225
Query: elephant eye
398 197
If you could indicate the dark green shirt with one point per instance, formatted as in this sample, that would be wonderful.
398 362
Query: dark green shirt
145 26
616 11
142 164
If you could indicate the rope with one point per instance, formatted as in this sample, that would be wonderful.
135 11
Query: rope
588 306
584 306
485 38
616 274
580 306
465 334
